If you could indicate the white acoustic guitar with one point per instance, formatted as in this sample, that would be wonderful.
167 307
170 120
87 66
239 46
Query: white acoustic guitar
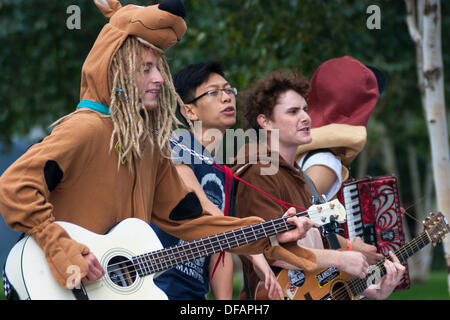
132 254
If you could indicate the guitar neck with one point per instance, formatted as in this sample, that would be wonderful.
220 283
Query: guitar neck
164 259
358 285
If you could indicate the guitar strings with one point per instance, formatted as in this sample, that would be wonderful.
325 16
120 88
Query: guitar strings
354 283
340 293
361 283
248 233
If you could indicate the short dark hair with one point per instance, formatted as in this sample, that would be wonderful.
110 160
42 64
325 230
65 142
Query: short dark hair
262 97
188 79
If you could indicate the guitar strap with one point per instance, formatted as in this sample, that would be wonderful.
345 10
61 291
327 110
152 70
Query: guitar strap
248 292
80 293
228 184
315 196
329 230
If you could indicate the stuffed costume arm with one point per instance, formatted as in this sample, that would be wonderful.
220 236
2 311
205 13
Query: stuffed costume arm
26 186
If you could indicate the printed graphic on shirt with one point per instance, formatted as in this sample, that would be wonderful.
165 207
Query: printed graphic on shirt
214 190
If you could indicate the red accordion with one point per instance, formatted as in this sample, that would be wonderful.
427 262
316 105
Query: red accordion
373 213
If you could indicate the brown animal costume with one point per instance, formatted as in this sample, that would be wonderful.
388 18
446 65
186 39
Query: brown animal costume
343 95
89 173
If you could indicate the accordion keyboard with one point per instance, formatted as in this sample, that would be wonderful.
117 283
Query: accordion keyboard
353 209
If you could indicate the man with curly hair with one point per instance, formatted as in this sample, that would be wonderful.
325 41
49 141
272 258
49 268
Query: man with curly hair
277 103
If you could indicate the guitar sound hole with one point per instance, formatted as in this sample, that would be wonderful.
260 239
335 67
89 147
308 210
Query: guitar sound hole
339 291
121 271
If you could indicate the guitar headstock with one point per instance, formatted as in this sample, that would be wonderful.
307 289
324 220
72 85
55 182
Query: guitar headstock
321 214
436 225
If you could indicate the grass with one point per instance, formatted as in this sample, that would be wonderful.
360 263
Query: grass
2 295
434 289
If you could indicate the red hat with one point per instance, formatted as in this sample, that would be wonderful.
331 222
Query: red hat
343 90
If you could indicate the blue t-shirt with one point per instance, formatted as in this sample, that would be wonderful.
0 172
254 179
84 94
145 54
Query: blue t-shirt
190 281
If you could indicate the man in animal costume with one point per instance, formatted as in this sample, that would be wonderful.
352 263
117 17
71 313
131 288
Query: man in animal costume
110 159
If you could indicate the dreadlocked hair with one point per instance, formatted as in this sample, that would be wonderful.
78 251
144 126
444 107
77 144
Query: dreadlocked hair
133 125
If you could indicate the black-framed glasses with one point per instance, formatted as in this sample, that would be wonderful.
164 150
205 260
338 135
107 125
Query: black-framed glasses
216 93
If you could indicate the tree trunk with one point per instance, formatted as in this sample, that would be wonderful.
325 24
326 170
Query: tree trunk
433 71
432 75
420 263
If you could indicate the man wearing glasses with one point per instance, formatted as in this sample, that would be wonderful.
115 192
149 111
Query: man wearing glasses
210 103
210 109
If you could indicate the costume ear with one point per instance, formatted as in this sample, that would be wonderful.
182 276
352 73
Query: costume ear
108 7
175 7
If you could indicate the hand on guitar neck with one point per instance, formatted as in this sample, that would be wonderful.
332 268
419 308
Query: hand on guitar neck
302 225
394 273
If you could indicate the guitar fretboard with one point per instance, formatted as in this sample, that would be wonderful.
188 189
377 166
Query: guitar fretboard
164 259
358 285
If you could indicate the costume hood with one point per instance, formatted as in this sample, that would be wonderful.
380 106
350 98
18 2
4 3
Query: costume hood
343 90
162 25
343 94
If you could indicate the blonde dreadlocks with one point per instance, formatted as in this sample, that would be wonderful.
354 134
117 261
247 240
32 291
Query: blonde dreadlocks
133 124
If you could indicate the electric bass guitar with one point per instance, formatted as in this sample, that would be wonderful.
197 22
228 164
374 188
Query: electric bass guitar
131 255
333 284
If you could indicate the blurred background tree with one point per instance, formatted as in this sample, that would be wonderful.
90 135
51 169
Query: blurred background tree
41 60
